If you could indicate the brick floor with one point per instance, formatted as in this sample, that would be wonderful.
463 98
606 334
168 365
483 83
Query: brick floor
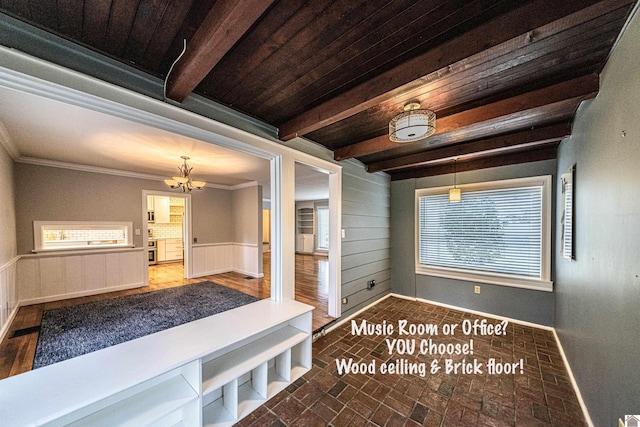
539 393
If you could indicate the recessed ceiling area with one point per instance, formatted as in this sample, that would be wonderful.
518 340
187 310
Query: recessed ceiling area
44 129
311 184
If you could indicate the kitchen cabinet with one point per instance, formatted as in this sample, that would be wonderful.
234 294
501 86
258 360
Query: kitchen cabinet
162 250
150 203
170 250
174 249
162 210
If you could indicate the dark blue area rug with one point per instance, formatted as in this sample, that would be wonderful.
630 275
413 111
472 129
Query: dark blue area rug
73 331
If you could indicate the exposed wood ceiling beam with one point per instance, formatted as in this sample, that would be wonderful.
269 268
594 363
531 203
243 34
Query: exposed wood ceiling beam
579 88
490 146
407 76
225 24
544 152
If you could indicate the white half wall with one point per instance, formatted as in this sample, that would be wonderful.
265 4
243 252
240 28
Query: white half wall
216 258
8 295
51 277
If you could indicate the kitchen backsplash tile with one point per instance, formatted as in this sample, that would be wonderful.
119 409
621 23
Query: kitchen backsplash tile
166 230
84 235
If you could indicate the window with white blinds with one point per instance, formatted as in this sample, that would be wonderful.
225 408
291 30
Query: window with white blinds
497 233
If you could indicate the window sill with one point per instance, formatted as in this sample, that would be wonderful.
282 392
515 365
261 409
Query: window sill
81 250
514 282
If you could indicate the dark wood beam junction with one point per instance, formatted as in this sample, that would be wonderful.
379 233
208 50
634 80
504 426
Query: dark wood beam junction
577 90
481 148
544 152
225 24
500 36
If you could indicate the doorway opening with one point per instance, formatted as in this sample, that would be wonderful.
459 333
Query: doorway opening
312 244
167 222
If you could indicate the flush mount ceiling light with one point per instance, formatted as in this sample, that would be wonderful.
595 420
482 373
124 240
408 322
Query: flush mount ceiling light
412 125
454 193
184 181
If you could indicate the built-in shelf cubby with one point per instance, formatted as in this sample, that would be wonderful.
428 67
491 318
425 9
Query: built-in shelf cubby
236 383
211 372
305 227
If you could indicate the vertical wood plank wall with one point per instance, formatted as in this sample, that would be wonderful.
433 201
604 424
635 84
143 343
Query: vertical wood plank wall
366 201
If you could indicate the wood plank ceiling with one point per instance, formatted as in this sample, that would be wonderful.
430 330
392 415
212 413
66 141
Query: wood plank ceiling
505 77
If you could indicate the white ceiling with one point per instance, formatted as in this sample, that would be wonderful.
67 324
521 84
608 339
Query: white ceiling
45 129
311 184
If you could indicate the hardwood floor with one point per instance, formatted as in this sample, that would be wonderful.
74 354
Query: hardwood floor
312 286
17 353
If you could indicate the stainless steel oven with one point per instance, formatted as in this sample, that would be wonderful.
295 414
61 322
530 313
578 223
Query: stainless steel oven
153 252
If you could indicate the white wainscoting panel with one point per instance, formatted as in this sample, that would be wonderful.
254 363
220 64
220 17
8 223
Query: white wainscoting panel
246 259
50 277
8 295
216 258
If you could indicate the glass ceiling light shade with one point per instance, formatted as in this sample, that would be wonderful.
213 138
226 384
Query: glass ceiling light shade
412 125
454 193
184 181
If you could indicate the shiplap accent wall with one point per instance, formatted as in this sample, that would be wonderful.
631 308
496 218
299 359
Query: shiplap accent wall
8 294
216 258
366 201
48 277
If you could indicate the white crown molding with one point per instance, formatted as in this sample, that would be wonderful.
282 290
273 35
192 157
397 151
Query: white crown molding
244 185
7 143
116 172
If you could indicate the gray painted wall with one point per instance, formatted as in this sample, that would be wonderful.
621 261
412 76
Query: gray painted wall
598 294
246 207
48 193
365 218
8 248
211 215
523 304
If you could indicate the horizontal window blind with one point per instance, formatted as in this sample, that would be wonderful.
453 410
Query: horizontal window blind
490 231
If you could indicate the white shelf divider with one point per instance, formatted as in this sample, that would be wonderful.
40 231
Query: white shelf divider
283 365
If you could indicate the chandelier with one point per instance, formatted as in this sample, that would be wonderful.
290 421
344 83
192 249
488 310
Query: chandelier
184 181
412 125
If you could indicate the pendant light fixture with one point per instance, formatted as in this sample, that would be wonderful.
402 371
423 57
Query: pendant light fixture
412 125
184 181
454 193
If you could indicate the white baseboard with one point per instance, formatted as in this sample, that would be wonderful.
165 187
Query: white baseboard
585 411
351 316
482 313
85 293
210 273
226 270
7 324
249 273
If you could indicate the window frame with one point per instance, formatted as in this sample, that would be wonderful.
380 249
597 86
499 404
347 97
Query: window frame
318 209
544 283
40 229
